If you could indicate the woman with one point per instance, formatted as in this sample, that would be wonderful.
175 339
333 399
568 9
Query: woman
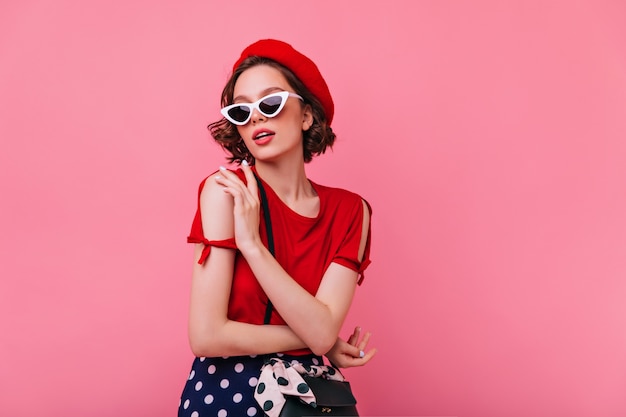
277 116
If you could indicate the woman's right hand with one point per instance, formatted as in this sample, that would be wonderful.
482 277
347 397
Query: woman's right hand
246 210
350 353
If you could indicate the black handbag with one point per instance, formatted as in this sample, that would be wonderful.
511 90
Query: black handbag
333 398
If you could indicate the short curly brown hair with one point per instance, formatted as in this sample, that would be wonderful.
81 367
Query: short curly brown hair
315 140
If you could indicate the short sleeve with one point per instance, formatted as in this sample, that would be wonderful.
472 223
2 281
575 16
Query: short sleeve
196 235
348 252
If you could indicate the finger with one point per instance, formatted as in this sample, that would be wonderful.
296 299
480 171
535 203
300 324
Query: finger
252 185
349 362
353 350
238 199
354 336
368 356
242 203
231 181
225 180
250 179
363 343
346 349
228 177
226 173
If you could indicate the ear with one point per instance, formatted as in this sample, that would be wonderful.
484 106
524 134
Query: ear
307 118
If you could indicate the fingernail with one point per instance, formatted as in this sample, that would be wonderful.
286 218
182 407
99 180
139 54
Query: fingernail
222 168
244 163
217 177
361 354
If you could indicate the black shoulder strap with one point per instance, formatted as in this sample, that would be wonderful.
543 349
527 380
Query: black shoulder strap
270 238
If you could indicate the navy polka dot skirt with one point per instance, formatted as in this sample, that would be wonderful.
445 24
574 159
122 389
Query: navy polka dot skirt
223 387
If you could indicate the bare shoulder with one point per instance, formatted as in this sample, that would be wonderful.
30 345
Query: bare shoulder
212 194
216 207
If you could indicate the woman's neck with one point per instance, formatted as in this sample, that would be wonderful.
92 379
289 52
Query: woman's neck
287 179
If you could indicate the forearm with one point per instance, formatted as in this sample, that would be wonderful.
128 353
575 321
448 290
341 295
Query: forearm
211 333
236 338
309 317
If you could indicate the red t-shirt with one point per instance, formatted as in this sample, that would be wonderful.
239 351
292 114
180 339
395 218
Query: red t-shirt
305 247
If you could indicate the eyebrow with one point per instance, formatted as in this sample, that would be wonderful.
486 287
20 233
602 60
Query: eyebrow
263 94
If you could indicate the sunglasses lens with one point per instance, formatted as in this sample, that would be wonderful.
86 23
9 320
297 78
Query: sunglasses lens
270 105
239 113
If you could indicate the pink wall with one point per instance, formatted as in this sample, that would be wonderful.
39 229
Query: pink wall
488 136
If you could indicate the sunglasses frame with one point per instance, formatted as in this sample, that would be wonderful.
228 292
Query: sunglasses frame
284 95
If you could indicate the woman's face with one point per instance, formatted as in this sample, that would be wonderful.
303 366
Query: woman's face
269 139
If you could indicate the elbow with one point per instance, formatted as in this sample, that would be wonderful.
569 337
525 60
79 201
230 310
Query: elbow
323 337
321 345
205 346
199 348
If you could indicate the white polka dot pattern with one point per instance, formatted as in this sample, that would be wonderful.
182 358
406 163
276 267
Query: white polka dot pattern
223 387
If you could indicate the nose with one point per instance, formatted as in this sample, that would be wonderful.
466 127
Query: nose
256 116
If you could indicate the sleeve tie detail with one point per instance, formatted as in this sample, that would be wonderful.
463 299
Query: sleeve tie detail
362 269
225 243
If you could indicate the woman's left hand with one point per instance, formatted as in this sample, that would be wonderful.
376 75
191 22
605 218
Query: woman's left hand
246 206
350 353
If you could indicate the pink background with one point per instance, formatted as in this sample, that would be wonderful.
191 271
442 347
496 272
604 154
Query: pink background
487 135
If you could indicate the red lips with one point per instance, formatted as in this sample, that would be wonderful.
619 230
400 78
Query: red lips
262 136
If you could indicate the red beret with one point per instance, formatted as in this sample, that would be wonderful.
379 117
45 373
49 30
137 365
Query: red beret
300 65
